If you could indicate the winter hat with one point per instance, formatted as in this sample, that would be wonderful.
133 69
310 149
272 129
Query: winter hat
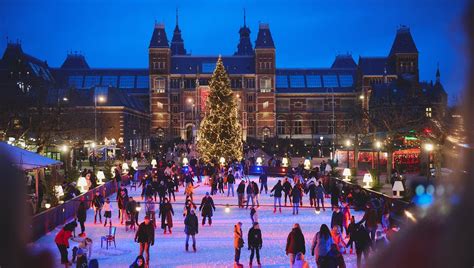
207 193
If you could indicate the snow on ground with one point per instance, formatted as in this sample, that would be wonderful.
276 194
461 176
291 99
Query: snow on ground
214 243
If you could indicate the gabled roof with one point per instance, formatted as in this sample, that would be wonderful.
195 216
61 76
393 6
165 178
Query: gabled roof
75 61
206 64
159 38
264 37
344 61
375 66
403 42
36 67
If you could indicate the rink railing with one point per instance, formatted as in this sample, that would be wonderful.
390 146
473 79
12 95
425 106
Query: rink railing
44 222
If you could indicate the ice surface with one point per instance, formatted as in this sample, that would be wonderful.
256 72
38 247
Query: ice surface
214 243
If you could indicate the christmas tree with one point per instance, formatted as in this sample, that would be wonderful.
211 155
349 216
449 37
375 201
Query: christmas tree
220 134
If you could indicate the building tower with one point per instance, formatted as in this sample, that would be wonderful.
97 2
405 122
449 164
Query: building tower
245 46
404 55
265 80
159 55
177 43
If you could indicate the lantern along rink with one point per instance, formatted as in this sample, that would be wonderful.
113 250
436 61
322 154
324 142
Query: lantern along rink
215 243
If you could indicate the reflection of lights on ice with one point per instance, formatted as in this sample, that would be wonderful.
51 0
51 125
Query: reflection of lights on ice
410 215
227 209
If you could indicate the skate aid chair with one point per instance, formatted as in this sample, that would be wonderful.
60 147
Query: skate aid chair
109 238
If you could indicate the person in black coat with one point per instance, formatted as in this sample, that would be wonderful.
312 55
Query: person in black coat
296 196
312 194
241 193
145 236
98 203
335 196
166 213
287 190
250 194
207 205
138 263
255 242
82 216
263 182
337 218
170 185
191 228
230 183
295 243
362 243
277 189
132 211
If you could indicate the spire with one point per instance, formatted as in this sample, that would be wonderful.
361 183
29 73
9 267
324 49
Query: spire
177 42
245 45
438 76
245 25
177 18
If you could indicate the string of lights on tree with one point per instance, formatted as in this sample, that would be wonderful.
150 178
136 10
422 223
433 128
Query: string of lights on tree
220 133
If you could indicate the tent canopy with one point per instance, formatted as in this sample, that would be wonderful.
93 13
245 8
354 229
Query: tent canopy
26 160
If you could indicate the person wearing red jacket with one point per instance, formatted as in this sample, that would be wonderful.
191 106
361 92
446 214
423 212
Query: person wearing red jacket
62 241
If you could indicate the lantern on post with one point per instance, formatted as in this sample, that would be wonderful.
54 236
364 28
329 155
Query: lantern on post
307 164
398 187
138 207
125 167
346 173
58 191
259 161
222 161
100 177
185 161
82 184
367 180
227 208
284 162
135 164
153 163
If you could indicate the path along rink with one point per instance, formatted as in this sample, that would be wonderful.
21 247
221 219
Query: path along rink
214 243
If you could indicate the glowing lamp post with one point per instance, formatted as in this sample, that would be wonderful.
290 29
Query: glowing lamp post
153 163
307 164
186 161
346 173
398 187
125 167
284 162
222 161
82 184
58 190
139 207
259 161
135 164
47 205
100 177
367 180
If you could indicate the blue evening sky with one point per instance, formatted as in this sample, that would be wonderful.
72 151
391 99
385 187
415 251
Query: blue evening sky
307 33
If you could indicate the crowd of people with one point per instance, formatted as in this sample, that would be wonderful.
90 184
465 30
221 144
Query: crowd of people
158 184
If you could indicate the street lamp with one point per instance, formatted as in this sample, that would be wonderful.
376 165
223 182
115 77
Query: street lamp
346 173
307 164
100 177
429 148
321 139
348 144
100 99
378 146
